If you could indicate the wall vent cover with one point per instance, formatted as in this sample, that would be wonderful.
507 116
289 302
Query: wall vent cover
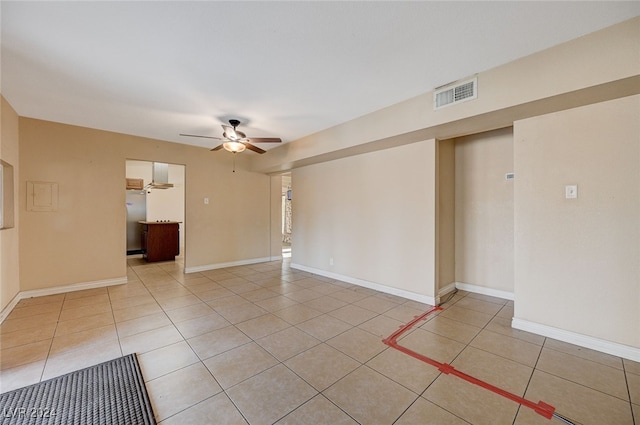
457 92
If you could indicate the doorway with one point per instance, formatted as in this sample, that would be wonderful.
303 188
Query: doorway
287 213
155 193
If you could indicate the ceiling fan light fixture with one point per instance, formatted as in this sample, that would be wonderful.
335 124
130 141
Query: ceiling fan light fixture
234 147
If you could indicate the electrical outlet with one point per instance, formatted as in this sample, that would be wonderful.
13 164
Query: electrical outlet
206 201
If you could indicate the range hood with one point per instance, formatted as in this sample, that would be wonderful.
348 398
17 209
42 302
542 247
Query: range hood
160 179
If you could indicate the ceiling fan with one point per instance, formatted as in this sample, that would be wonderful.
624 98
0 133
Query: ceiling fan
236 141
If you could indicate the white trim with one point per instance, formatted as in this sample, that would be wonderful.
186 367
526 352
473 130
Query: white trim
206 267
425 299
498 293
9 308
604 346
59 290
445 290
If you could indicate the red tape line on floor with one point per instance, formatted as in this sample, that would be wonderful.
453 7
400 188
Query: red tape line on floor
540 407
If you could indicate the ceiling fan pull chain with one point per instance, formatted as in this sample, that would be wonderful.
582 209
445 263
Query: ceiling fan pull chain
234 162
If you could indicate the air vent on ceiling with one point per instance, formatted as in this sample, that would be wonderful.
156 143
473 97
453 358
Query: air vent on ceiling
457 92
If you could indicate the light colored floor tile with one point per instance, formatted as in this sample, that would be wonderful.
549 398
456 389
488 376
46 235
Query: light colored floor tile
321 366
218 341
581 404
631 367
585 372
304 295
142 324
349 295
358 344
404 313
424 412
27 302
21 376
276 303
452 329
263 403
241 313
133 301
324 327
29 322
24 354
317 411
369 397
287 343
479 305
133 312
633 381
437 347
84 339
179 390
201 325
75 300
479 406
508 347
325 304
84 323
297 313
377 304
405 370
127 290
16 338
236 365
69 361
381 326
150 340
189 312
495 370
182 301
35 310
503 326
353 314
585 353
464 315
164 360
259 295
216 410
262 326
84 311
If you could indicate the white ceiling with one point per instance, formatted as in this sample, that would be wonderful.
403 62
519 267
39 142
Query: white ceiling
285 69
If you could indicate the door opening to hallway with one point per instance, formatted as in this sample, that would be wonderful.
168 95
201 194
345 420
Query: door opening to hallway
286 215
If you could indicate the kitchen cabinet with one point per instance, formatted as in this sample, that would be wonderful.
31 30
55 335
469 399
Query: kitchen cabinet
160 240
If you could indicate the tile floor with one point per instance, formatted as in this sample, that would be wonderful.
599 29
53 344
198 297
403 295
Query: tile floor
266 344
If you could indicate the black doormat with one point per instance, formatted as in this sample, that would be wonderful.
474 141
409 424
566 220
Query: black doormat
112 392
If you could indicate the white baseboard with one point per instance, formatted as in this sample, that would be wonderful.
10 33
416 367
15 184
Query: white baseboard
425 299
483 290
9 307
59 290
229 264
604 346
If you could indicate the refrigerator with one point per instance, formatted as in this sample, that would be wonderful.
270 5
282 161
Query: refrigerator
136 211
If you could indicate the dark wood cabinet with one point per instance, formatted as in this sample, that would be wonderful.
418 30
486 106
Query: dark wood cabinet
160 240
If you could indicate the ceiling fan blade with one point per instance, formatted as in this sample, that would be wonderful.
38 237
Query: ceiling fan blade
265 139
204 137
217 148
253 148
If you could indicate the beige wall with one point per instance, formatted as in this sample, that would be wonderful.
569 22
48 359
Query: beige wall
84 241
576 261
445 220
484 210
373 214
9 270
604 64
